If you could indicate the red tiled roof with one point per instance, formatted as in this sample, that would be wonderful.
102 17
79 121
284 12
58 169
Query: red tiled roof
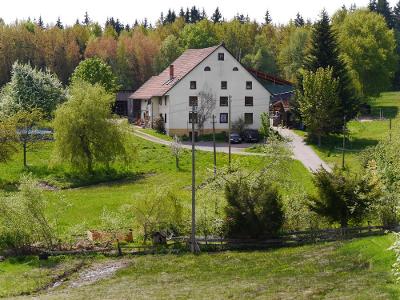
161 84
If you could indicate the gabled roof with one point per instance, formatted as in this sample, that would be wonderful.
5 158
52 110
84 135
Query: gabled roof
157 86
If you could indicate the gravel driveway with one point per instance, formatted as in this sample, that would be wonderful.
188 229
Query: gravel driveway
303 152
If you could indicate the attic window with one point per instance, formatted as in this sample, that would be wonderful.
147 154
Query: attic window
221 56
235 69
207 69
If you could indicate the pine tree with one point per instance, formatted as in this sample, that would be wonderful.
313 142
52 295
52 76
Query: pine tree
299 21
77 22
267 18
385 10
86 19
203 15
217 16
372 6
324 53
59 24
396 16
162 20
187 15
194 15
145 23
171 16
181 13
40 22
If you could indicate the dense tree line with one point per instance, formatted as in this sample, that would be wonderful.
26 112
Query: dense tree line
139 50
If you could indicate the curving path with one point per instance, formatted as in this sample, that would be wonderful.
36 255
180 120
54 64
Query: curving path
302 151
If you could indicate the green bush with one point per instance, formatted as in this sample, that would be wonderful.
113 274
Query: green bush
254 208
342 197
159 125
23 220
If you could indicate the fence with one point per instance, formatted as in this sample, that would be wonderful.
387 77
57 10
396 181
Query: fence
287 239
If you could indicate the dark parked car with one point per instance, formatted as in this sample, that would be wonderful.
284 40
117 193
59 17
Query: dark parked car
250 136
235 138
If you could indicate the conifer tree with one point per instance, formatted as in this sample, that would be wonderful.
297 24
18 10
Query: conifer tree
59 24
383 8
267 18
182 13
372 5
324 53
396 16
86 19
40 22
299 21
217 16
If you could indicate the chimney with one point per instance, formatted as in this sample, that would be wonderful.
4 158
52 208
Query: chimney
171 72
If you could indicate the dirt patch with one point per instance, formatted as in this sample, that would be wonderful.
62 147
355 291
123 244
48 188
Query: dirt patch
96 272
47 187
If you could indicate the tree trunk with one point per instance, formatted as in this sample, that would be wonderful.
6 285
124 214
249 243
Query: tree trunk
319 140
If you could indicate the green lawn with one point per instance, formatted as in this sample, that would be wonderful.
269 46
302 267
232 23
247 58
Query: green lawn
153 169
362 134
28 274
358 269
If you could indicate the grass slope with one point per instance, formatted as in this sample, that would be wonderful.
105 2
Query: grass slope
358 269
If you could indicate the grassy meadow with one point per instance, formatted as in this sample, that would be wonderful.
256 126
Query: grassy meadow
357 269
153 169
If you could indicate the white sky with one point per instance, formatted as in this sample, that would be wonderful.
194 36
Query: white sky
129 10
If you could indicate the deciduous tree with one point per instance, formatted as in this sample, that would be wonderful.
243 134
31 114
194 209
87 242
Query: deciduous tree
96 71
369 49
318 101
86 133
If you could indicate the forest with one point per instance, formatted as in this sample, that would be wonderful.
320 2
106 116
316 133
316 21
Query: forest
368 38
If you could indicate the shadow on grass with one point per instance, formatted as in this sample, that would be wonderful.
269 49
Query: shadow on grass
61 179
333 144
388 112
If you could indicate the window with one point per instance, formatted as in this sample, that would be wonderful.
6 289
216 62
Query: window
235 69
248 118
190 117
193 101
223 118
161 117
193 85
223 101
165 118
221 56
160 101
249 85
248 101
165 100
224 85
207 69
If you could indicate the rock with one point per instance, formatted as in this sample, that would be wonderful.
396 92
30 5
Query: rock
2 258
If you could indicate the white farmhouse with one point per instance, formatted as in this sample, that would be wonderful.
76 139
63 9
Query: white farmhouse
214 71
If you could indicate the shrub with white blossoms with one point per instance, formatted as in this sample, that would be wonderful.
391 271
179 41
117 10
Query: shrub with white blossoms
396 248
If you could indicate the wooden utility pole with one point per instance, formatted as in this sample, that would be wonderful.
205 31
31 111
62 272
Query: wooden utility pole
194 248
229 131
344 141
215 150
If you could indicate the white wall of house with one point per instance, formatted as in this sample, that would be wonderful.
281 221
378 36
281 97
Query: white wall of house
177 108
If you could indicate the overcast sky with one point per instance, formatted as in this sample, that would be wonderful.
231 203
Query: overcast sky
128 10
